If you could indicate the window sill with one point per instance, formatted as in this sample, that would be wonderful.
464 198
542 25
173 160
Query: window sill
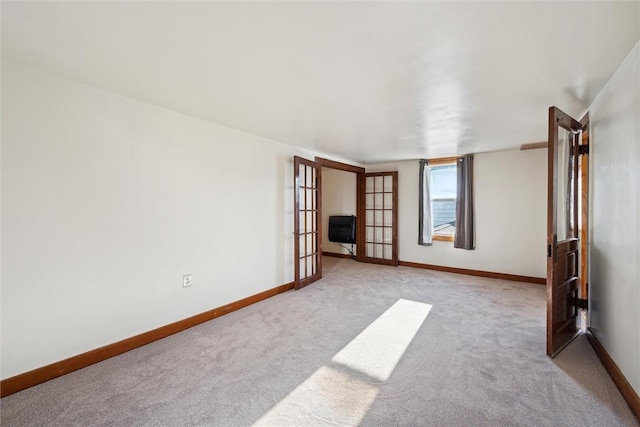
442 238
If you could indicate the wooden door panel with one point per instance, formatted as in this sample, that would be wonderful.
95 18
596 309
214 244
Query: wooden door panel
565 311
562 231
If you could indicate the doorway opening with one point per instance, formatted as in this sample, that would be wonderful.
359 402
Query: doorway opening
376 206
339 198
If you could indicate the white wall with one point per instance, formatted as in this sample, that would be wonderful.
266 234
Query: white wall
510 208
615 218
338 198
108 201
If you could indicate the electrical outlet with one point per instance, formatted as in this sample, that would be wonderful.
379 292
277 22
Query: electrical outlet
186 280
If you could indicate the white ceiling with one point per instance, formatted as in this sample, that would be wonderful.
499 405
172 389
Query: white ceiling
364 81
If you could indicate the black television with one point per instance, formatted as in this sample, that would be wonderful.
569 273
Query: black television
342 229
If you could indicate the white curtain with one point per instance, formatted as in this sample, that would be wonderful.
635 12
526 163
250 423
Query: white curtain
425 226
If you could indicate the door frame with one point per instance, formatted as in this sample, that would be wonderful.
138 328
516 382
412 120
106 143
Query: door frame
583 224
361 175
360 197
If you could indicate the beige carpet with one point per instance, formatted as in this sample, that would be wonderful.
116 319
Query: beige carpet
367 345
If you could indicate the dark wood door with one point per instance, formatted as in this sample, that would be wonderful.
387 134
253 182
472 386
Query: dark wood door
307 222
381 218
563 244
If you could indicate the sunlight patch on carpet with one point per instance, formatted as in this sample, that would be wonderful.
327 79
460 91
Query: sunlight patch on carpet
377 350
333 396
329 396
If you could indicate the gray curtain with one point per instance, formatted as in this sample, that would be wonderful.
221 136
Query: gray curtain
425 228
465 228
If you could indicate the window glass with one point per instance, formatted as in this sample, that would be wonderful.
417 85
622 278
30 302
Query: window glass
443 198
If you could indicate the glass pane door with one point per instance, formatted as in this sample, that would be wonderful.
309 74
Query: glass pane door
381 202
308 259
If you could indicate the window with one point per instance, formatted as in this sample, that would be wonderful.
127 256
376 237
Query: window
438 190
443 180
446 202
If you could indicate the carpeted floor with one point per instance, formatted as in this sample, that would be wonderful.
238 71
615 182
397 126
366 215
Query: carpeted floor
367 345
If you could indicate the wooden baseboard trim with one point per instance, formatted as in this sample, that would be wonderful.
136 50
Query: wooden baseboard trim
335 255
480 273
54 370
629 394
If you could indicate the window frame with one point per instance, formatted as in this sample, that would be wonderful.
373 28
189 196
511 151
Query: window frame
443 161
